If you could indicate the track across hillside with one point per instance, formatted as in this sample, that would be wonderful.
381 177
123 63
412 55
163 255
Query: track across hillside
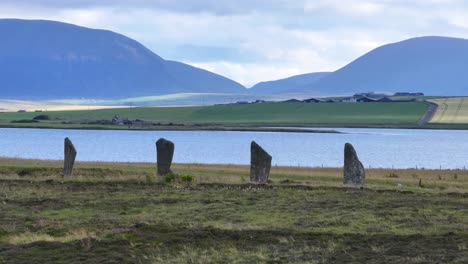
429 114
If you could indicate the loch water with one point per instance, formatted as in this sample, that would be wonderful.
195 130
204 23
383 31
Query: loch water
383 148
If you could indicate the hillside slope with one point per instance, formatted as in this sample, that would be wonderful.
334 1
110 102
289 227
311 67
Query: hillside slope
433 65
47 59
288 85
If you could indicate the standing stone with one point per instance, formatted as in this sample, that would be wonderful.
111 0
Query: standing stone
165 152
260 164
69 160
353 169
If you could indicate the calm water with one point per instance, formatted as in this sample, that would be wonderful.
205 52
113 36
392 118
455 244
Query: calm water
400 148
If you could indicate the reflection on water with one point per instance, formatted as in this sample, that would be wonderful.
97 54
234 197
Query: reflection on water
400 148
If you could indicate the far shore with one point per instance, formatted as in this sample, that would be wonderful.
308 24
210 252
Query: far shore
291 128
264 117
168 128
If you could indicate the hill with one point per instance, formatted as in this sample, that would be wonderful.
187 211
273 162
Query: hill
45 60
432 65
288 85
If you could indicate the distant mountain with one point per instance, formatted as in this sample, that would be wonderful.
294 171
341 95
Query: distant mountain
433 65
292 84
46 59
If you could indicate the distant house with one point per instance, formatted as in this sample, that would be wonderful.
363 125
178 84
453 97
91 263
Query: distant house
312 100
365 100
369 95
120 121
408 94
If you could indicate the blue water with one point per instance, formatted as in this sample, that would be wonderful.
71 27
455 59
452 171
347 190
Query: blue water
385 148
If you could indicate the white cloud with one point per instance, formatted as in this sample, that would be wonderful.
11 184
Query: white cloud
249 73
345 7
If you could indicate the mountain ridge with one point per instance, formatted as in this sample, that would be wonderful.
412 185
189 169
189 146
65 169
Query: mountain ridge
49 59
434 65
42 59
287 85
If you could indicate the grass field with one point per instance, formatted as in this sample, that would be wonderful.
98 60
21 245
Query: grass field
15 105
401 113
451 111
121 213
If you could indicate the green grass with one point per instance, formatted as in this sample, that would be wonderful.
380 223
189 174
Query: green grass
114 212
402 113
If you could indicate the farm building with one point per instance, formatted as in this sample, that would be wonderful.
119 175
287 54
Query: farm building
365 100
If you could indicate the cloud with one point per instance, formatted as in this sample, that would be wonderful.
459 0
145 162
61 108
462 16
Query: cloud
357 8
219 7
257 40
246 72
213 53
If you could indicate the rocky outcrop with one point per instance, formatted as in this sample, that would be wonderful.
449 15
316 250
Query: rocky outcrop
165 152
353 169
260 164
69 159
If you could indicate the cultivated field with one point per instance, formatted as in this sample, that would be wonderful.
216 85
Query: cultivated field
390 114
451 111
121 212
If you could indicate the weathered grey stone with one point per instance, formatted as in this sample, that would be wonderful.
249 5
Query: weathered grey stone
69 160
260 164
353 169
165 152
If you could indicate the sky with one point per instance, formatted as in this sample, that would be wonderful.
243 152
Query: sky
251 41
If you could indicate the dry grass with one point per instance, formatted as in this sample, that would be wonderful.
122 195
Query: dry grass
122 213
15 105
28 237
431 180
451 111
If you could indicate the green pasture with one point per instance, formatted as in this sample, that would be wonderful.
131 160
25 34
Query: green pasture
398 113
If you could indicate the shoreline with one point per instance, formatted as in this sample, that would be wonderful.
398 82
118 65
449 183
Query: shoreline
413 180
178 128
52 163
293 128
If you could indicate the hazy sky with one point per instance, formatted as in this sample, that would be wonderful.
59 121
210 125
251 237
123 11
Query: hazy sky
257 40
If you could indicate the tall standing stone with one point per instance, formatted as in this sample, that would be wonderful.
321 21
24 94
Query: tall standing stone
353 169
164 154
260 164
69 160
